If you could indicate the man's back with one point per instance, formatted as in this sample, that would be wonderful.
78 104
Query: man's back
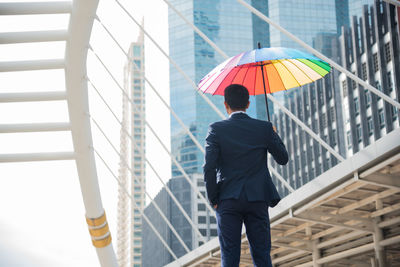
242 144
236 158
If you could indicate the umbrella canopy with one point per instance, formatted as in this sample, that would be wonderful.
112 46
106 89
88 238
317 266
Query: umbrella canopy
265 70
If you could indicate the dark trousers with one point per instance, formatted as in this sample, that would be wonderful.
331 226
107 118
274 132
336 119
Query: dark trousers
231 214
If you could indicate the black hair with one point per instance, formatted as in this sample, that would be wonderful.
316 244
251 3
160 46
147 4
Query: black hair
236 96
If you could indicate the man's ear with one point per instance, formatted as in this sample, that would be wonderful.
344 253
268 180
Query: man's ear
248 104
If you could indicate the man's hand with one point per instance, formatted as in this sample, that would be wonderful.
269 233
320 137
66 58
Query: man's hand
215 206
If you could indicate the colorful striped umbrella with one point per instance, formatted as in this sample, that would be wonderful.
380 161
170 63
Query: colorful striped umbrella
265 71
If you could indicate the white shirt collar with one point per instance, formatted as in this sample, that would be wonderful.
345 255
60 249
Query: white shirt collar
236 112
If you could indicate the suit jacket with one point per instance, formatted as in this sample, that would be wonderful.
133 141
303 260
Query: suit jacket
236 158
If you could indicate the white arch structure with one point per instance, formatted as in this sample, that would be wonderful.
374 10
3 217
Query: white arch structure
77 36
82 15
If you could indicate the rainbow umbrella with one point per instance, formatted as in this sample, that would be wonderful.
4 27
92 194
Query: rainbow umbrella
265 71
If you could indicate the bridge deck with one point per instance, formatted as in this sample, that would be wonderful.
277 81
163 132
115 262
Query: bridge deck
338 219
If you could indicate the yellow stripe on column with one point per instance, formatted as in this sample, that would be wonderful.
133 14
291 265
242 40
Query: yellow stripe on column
97 221
101 243
98 232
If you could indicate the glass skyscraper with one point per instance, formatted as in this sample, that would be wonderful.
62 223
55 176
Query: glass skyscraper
234 29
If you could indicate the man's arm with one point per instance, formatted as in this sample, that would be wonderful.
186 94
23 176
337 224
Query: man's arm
210 165
276 146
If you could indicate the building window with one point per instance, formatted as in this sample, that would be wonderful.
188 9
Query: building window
387 52
332 113
344 87
333 136
329 91
390 81
370 126
359 133
202 219
364 71
137 63
356 106
353 83
323 118
213 232
381 119
136 51
376 63
367 97
203 232
201 207
394 113
213 220
349 143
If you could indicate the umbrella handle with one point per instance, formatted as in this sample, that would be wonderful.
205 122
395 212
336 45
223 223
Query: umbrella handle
265 92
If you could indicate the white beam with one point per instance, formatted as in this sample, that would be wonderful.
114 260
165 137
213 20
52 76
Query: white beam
331 222
390 241
382 179
34 127
288 246
25 157
380 165
30 8
33 36
340 238
34 96
80 28
43 64
389 222
346 253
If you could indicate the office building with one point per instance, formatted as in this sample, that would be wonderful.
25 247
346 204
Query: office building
343 113
133 157
370 49
234 29
154 252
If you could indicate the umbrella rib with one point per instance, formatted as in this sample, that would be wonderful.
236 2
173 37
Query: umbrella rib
212 75
303 71
205 91
273 65
255 78
269 85
244 76
213 93
279 60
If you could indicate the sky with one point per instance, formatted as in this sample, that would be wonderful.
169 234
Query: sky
42 219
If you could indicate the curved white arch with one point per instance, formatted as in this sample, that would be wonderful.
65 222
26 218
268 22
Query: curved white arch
79 29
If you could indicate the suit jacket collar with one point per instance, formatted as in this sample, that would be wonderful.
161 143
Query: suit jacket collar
239 115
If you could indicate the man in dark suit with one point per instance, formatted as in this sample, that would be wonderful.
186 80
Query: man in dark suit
237 179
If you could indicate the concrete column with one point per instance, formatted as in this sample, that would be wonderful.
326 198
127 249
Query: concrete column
316 254
378 236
